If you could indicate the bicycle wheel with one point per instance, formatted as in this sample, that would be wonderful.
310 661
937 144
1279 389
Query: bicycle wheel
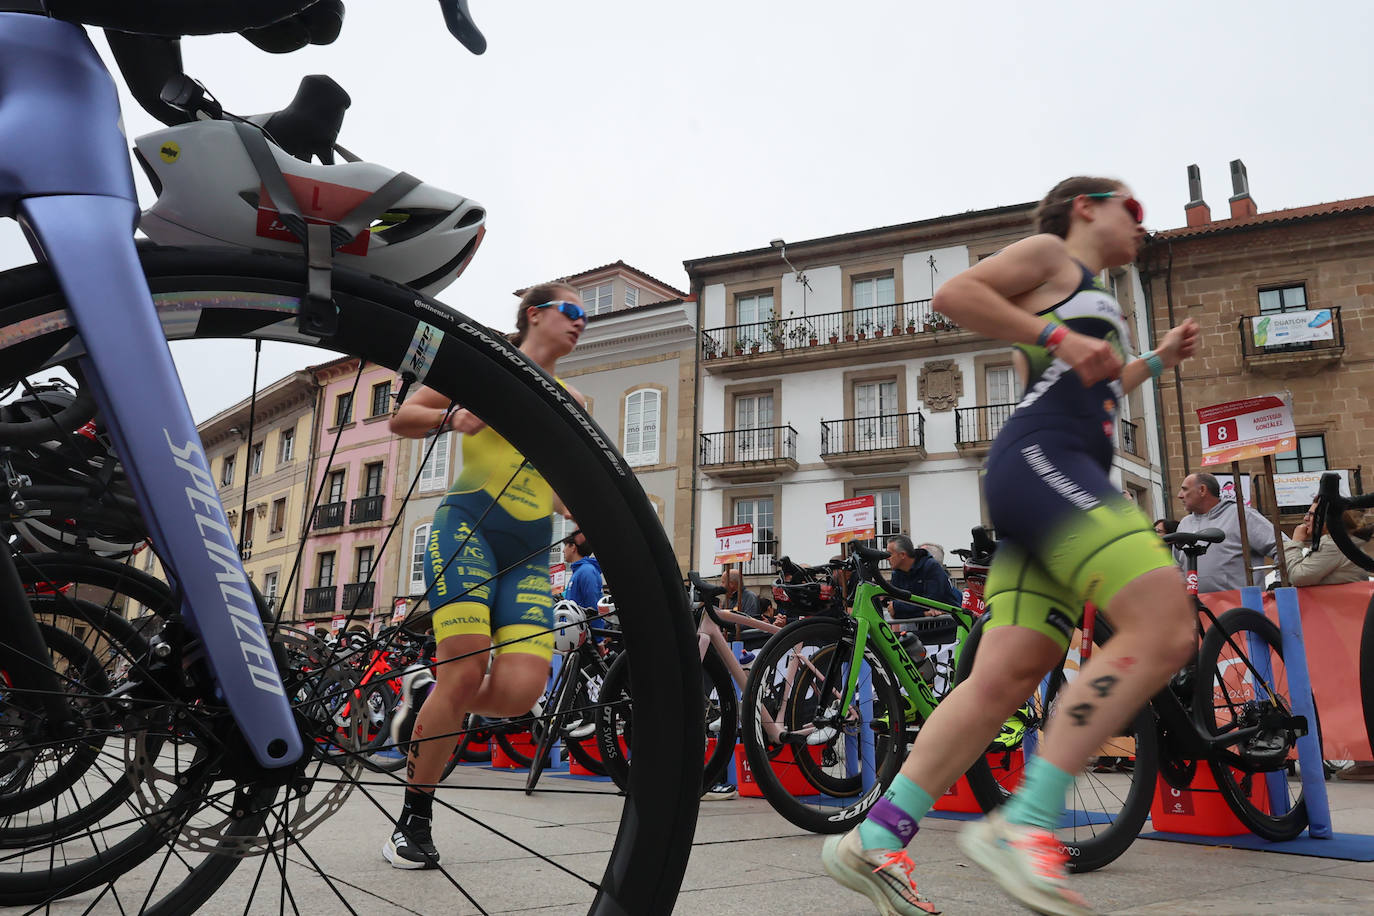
235 295
616 728
1107 806
85 784
820 766
1228 696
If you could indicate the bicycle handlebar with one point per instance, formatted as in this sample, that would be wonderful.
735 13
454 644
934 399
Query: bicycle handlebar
1330 506
461 26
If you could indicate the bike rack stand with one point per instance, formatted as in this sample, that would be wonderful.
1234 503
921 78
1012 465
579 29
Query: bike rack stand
1321 840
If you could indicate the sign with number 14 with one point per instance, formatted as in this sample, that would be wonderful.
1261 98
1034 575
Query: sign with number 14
734 544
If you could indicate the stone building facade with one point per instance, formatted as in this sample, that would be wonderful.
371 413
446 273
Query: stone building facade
1236 276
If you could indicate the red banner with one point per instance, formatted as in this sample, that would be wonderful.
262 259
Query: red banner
1332 619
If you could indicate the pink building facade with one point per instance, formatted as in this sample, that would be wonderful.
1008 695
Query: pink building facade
347 558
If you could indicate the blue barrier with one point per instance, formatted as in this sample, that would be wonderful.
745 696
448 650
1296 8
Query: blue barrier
1300 688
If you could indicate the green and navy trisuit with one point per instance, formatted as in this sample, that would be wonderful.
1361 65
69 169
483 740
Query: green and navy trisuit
1066 534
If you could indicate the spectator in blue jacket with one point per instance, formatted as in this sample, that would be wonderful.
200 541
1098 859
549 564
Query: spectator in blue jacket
584 582
916 571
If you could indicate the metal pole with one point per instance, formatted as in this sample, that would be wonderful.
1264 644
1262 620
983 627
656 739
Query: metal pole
1271 502
1244 533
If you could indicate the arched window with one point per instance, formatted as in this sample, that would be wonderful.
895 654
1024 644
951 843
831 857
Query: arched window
642 409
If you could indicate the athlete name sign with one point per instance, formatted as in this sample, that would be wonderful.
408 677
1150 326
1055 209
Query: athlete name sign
1248 428
734 544
849 520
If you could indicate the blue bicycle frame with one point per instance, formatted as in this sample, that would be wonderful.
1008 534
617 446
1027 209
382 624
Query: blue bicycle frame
65 174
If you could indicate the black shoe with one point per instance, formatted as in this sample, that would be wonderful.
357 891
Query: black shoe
412 847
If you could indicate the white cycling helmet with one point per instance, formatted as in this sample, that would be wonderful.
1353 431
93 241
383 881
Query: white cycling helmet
209 193
570 626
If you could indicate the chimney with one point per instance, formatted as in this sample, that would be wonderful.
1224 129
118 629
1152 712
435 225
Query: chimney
1196 210
1241 204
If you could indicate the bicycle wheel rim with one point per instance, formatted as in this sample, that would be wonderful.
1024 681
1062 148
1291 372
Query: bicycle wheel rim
848 772
207 293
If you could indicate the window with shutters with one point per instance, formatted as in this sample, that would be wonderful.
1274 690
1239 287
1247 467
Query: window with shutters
640 444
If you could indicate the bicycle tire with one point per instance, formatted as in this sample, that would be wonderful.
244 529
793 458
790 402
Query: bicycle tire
841 799
615 722
1230 701
1123 798
212 293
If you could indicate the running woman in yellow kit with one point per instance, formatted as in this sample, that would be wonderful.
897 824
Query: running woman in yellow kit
1066 536
474 607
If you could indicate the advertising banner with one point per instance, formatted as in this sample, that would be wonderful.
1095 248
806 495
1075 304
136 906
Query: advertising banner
1292 327
1299 487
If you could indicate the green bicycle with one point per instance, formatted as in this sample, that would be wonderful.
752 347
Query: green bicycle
833 701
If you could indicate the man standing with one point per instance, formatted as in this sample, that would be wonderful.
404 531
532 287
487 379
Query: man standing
1222 567
584 581
915 570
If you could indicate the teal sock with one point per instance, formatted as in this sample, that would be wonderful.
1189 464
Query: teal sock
892 822
1039 802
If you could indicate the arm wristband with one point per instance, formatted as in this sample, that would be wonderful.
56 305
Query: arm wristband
1055 338
1155 364
1045 333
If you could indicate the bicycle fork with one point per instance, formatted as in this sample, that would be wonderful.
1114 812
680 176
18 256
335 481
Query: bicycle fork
75 194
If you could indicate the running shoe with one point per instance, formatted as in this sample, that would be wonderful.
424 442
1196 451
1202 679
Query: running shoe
721 791
881 875
1028 862
579 729
412 846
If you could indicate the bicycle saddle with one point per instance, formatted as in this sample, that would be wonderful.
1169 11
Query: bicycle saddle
1193 538
704 591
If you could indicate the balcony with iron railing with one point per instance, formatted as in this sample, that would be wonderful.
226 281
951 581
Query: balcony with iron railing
877 330
1292 343
976 427
762 562
366 509
749 454
329 515
320 600
357 595
869 441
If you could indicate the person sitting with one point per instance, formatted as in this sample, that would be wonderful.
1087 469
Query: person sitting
736 597
1326 565
915 570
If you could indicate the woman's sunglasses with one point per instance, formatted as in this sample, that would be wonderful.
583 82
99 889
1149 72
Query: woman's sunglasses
1132 205
570 310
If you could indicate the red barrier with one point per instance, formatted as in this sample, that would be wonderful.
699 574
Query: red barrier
1332 619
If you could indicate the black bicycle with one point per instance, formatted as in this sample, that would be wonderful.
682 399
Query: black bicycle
1230 707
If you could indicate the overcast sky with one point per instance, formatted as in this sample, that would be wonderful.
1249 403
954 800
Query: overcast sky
654 133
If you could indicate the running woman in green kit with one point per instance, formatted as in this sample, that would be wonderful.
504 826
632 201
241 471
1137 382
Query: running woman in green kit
1066 536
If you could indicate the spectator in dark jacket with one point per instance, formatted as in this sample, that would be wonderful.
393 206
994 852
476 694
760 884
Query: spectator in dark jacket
916 571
